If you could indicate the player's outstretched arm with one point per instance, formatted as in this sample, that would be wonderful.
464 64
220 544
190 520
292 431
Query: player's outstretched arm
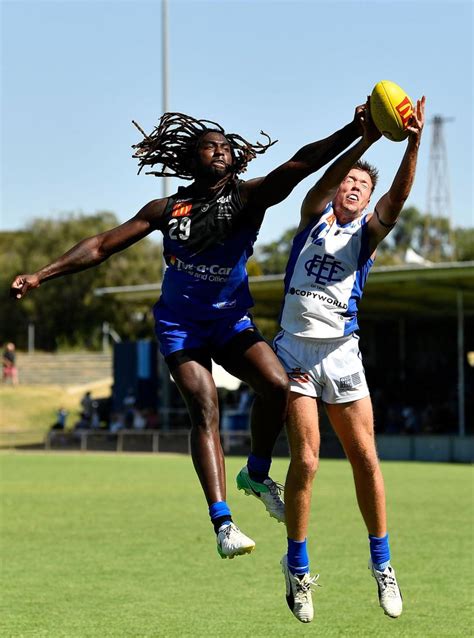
263 192
326 187
93 250
389 206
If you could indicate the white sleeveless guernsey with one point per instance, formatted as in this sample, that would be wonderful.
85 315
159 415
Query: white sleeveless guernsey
325 276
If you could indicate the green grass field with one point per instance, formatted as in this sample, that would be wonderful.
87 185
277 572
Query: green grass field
121 545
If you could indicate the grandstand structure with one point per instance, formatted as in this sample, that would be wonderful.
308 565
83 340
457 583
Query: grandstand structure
417 328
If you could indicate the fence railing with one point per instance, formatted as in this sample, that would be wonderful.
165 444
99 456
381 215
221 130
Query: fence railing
439 448
154 441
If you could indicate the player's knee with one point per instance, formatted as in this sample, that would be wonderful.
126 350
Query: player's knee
365 458
204 413
306 464
275 386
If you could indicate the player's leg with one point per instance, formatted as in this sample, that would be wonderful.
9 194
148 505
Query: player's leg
248 357
301 362
303 439
191 372
354 426
196 385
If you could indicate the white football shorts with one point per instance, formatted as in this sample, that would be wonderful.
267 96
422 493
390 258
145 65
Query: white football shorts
329 369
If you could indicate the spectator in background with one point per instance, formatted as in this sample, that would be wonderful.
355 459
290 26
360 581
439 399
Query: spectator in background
152 420
9 369
61 416
117 422
95 417
86 405
139 420
128 403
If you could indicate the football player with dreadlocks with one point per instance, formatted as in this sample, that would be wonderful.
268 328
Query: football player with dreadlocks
209 229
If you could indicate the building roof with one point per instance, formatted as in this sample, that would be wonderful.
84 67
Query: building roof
390 290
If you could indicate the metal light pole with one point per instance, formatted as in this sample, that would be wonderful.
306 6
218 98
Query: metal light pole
165 384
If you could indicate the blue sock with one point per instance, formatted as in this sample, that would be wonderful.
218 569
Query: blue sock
379 551
220 514
258 468
298 559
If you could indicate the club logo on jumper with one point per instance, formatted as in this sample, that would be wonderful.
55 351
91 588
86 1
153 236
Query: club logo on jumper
313 294
181 210
296 374
317 235
206 272
350 382
405 111
324 269
321 230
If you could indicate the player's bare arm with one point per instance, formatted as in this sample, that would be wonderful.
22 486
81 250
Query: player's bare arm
389 206
94 250
263 192
325 188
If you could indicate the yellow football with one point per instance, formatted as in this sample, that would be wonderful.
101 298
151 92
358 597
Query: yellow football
391 110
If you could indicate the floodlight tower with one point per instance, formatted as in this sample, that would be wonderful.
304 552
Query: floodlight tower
438 200
165 383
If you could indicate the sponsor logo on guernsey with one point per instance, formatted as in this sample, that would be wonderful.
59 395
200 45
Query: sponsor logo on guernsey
324 269
181 210
314 294
206 272
297 374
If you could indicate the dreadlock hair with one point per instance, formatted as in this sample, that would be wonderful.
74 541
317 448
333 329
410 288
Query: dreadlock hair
372 172
173 144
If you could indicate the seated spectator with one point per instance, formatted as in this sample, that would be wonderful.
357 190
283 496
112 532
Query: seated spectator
84 422
152 420
117 422
95 418
86 405
139 421
61 416
411 422
128 403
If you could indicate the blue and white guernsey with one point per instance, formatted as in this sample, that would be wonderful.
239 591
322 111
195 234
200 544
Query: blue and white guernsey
325 276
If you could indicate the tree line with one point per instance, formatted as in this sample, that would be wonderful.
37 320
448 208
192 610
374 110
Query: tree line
67 314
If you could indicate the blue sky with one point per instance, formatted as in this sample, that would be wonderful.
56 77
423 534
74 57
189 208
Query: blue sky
75 73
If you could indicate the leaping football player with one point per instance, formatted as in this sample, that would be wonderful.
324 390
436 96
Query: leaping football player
209 229
330 259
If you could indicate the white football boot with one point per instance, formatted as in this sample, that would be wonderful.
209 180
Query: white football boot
268 492
390 596
298 592
232 542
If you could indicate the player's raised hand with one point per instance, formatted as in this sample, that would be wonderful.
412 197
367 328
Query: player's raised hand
22 283
417 121
370 132
358 115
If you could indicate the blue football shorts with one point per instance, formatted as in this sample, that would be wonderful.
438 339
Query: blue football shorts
175 332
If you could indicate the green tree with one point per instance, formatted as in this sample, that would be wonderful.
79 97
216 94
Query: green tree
272 257
65 311
464 238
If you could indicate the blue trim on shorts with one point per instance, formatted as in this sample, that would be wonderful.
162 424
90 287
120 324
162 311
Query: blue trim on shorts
176 333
